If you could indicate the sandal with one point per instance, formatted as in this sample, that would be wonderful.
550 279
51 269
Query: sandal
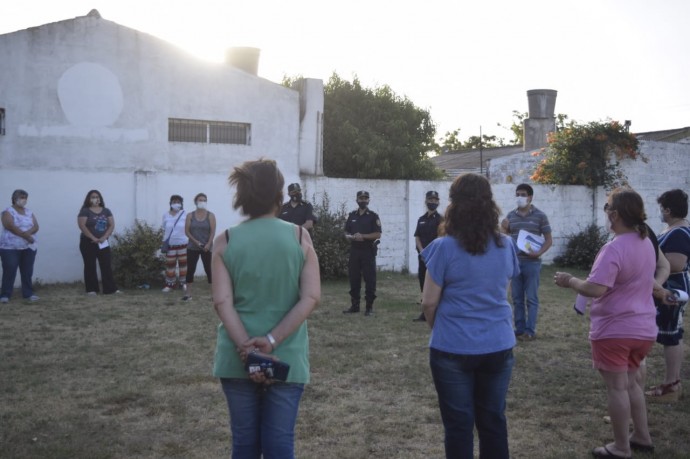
665 392
604 451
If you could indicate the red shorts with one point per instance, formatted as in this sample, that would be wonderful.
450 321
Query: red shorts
619 355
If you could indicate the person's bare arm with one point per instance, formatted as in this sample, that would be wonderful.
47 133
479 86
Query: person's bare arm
431 297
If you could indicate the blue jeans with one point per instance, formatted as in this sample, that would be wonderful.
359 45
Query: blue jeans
11 260
472 392
525 286
262 418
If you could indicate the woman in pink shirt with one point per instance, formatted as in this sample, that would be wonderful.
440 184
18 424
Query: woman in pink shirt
623 318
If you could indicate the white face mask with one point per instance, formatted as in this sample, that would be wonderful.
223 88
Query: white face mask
521 201
176 206
95 201
201 205
21 202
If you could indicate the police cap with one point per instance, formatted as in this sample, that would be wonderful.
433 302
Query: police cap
294 188
432 194
363 194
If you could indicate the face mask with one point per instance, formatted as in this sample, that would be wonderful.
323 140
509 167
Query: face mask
95 201
296 197
521 201
176 206
431 205
201 205
362 205
21 202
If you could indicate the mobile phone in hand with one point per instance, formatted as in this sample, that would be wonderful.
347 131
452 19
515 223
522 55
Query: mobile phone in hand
272 369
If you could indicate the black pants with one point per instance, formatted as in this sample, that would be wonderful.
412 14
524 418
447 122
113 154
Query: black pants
192 260
91 253
362 264
421 272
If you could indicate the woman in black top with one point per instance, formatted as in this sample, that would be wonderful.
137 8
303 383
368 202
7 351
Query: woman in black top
96 224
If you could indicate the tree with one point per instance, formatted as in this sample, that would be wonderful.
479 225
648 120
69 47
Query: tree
451 142
586 154
374 133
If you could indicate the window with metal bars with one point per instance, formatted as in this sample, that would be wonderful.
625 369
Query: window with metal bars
200 131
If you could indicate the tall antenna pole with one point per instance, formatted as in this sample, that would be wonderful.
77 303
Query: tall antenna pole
481 153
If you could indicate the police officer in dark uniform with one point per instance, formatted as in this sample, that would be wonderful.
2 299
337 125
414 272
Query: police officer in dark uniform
427 231
297 211
363 230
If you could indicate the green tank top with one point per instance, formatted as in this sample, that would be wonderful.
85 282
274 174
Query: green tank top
265 260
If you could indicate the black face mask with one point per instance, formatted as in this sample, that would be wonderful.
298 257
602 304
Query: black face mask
296 197
362 204
431 205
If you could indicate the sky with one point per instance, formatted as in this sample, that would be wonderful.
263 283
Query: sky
470 63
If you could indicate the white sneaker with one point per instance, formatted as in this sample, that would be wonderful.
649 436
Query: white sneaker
4 300
33 298
91 293
166 290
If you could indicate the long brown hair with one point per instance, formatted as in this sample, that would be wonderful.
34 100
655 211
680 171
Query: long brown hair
472 216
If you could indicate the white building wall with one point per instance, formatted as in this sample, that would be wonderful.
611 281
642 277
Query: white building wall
662 166
87 105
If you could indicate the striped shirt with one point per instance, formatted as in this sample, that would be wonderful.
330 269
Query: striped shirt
534 222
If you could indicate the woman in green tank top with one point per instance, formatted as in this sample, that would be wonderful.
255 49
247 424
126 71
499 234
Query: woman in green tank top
265 284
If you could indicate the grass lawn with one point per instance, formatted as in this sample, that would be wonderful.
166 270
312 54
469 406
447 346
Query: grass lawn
128 376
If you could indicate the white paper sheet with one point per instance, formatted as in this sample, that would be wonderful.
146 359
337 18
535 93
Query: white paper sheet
528 242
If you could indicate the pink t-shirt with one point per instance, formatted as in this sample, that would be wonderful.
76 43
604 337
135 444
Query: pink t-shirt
626 265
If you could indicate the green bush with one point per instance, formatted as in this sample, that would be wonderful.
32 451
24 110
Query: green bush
329 240
583 247
136 260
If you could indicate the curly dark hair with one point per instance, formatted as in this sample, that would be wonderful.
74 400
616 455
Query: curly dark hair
472 216
675 201
259 187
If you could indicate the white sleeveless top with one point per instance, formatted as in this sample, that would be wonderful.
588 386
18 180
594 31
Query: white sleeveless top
9 240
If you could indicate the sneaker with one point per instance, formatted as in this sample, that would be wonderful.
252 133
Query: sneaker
91 293
526 337
33 298
4 300
166 290
186 298
118 292
351 310
369 312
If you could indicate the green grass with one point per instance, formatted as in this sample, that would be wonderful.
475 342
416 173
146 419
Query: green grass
129 376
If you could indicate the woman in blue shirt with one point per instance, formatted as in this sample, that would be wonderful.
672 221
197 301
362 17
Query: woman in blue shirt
465 303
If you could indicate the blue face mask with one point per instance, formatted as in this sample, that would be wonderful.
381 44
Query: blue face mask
431 205
362 205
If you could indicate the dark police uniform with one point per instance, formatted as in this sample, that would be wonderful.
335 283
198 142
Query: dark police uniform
427 231
299 214
362 257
